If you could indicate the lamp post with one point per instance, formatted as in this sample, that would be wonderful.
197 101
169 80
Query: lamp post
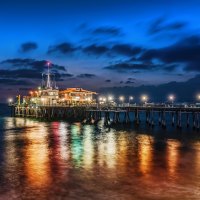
171 99
144 98
121 98
110 98
10 100
130 99
198 97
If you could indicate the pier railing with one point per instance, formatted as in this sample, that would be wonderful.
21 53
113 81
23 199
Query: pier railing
114 114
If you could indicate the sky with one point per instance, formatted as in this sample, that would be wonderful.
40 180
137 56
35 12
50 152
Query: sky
98 44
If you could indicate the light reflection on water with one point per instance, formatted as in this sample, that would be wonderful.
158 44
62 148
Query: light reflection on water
57 160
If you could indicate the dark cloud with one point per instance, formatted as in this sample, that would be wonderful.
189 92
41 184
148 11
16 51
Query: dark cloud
160 25
185 91
25 89
95 50
185 52
20 73
111 31
171 68
108 81
126 49
131 79
123 67
63 48
86 75
40 65
67 75
129 82
7 81
28 46
23 71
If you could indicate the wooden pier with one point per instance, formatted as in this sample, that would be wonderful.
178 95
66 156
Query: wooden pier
49 112
154 115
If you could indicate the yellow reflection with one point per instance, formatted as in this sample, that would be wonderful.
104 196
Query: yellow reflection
145 154
172 157
107 151
36 157
122 146
197 159
88 147
63 132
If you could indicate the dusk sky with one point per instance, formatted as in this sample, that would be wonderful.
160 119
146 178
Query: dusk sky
99 43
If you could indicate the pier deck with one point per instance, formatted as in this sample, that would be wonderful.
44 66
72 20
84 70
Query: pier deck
113 115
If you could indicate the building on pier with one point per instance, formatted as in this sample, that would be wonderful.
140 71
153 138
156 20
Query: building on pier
49 95
77 96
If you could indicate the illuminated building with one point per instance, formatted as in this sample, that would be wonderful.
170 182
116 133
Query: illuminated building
77 96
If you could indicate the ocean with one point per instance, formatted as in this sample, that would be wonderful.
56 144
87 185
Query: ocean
62 160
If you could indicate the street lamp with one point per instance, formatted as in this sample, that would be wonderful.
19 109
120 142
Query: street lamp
171 98
10 100
110 98
130 99
121 98
144 98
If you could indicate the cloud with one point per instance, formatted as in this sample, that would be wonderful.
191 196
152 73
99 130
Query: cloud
171 68
126 49
107 30
6 81
131 79
108 81
95 49
129 82
20 73
183 53
86 75
28 46
28 71
185 91
126 67
39 65
160 25
63 48
67 75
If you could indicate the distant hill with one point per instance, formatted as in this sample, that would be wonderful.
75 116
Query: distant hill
184 91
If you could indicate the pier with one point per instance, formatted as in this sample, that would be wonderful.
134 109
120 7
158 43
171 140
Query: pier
154 115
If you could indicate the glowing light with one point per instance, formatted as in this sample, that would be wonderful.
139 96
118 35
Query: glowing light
198 96
121 98
144 98
100 98
171 97
110 98
104 99
131 98
10 100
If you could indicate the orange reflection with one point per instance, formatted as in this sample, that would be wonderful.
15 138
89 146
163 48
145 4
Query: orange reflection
36 157
107 151
145 154
172 157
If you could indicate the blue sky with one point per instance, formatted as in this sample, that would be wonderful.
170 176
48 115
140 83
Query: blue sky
99 43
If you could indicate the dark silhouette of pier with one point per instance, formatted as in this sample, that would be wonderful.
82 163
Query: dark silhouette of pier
154 115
